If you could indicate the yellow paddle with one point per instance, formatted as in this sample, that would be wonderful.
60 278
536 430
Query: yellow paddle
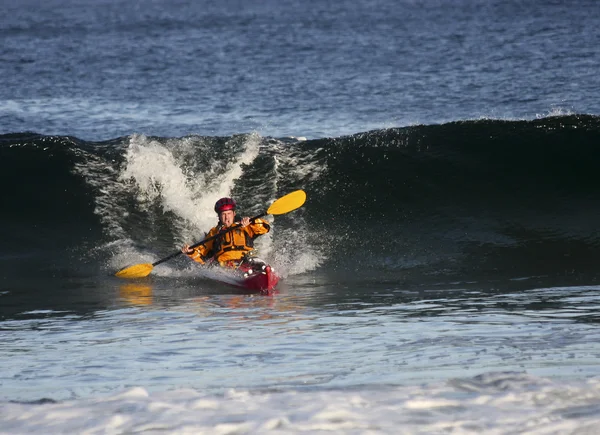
283 205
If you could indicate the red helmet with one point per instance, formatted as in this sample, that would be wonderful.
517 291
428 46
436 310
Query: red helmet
224 204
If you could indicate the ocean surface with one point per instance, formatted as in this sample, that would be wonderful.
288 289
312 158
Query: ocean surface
443 275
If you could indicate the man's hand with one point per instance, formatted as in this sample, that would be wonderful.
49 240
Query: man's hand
245 221
187 250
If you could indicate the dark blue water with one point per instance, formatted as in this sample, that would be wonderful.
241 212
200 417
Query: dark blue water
99 70
443 268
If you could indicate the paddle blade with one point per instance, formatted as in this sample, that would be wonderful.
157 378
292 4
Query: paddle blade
135 271
287 203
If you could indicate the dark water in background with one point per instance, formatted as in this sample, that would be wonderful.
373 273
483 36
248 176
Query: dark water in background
449 153
100 70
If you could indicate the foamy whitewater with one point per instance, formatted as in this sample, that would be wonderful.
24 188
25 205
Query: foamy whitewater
502 403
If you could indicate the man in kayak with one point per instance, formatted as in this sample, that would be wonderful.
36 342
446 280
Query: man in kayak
230 248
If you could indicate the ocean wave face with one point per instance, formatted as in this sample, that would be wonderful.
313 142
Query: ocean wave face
500 199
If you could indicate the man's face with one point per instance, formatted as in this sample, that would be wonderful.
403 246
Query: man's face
227 217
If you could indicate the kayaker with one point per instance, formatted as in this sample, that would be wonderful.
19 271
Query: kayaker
230 248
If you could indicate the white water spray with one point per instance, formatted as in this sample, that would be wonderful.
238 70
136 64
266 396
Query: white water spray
160 173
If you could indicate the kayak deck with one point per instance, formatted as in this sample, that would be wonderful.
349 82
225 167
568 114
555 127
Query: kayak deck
253 275
259 277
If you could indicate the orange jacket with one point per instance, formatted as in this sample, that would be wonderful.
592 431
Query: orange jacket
232 245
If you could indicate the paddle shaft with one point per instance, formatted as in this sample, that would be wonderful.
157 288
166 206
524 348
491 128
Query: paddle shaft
208 239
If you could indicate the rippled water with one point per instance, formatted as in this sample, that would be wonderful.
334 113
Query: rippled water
166 337
429 359
303 68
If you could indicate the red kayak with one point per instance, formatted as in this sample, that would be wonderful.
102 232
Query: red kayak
252 275
258 276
